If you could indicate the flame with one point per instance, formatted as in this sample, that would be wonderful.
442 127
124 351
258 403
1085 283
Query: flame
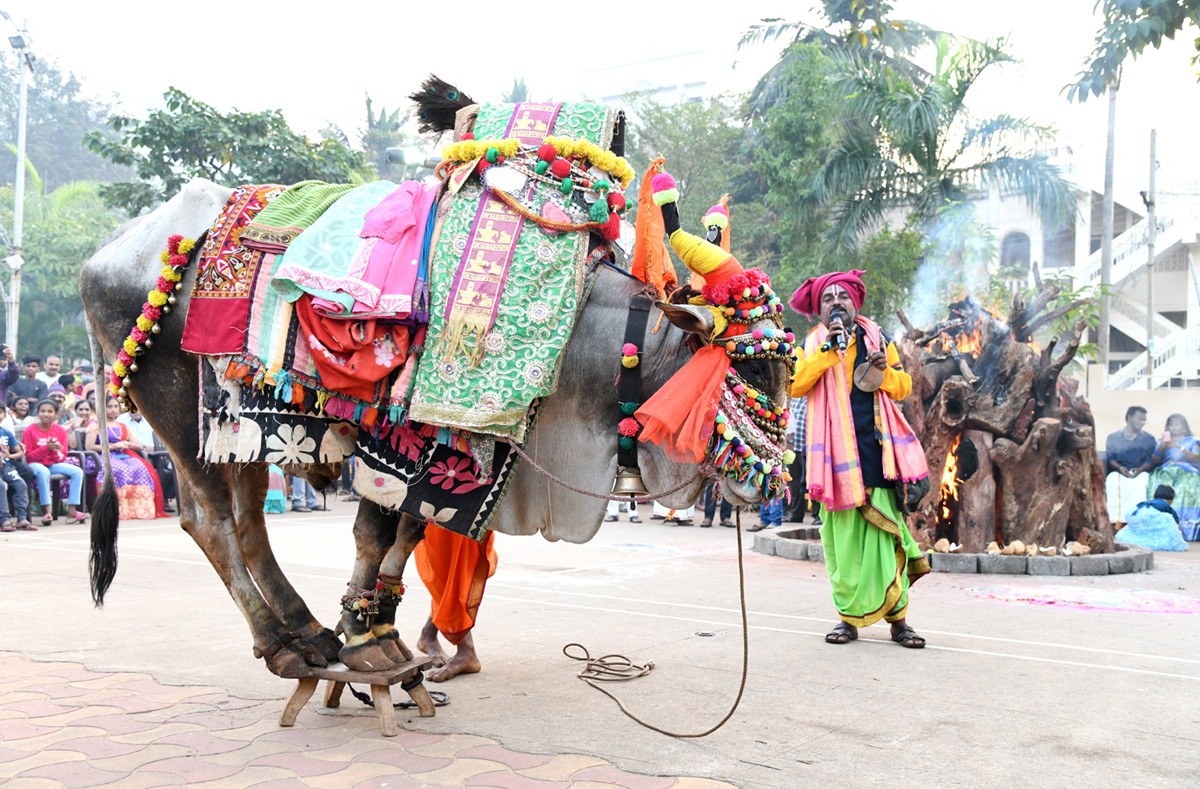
1035 345
949 490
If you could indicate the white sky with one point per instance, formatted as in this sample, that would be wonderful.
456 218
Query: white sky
316 65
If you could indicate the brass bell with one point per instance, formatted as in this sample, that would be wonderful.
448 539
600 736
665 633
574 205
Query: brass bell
155 329
629 483
148 343
133 366
166 308
171 299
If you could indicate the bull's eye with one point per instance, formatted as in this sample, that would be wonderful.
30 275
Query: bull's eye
768 375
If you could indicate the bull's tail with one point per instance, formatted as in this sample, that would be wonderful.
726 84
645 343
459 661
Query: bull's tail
105 515
437 103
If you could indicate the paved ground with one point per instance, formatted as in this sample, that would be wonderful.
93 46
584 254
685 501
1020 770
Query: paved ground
1033 681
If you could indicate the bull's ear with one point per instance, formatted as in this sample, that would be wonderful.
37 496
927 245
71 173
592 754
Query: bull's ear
690 318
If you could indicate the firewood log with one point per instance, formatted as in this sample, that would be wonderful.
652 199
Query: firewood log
1037 485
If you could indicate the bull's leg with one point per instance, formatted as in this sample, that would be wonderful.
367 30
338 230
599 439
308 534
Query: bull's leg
317 644
374 533
206 514
409 532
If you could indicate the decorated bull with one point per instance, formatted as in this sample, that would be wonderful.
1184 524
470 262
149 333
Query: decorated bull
315 335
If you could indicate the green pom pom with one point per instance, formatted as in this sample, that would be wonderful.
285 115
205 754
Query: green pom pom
567 186
601 186
626 442
628 409
541 167
599 211
492 155
666 196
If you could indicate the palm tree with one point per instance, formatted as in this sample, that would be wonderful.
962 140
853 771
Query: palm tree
859 26
912 145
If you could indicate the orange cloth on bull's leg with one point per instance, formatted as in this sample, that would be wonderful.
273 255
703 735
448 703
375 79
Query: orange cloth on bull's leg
351 356
455 570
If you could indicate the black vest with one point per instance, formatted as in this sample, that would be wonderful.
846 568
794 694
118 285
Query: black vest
862 408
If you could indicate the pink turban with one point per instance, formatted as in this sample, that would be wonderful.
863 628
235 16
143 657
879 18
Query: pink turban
807 298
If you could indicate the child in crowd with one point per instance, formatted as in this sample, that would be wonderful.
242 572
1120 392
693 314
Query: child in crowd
1154 523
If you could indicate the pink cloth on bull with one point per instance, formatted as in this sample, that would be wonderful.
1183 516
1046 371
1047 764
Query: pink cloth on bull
386 263
833 466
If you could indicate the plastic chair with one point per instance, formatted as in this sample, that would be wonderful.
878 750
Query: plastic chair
160 458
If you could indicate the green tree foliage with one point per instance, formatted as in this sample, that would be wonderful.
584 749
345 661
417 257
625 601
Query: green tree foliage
1128 27
58 115
793 138
190 139
859 26
913 147
704 147
62 227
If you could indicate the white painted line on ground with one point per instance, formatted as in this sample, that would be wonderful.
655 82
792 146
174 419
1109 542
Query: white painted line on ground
539 590
734 625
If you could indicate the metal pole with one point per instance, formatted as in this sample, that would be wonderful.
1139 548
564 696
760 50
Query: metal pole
13 302
1106 226
1151 231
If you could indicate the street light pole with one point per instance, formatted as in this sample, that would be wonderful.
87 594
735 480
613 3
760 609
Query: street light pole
12 301
1151 232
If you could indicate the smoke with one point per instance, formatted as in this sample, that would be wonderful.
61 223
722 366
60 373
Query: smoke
958 250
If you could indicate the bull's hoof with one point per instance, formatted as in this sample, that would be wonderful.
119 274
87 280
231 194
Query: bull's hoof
389 640
326 645
288 663
363 653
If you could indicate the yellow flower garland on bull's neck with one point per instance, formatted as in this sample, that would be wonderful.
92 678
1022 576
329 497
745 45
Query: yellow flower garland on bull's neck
470 150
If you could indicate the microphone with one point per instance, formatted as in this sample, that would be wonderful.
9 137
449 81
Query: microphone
837 312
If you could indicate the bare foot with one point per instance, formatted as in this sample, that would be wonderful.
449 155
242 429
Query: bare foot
429 644
465 661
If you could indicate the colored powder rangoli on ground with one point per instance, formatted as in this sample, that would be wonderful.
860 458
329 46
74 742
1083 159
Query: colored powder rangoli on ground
1134 601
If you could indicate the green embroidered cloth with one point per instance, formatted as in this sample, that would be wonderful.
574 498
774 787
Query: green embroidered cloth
277 225
492 393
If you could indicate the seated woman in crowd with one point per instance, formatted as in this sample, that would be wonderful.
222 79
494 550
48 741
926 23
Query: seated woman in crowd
18 415
46 453
139 490
82 420
1177 461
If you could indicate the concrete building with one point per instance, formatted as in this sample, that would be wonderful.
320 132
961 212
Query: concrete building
1024 241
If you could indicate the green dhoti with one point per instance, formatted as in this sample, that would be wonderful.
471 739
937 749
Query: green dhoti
871 559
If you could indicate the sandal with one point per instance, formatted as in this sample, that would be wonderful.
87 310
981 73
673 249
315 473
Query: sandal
729 524
7 525
80 517
47 519
704 524
756 527
907 637
26 526
609 518
842 633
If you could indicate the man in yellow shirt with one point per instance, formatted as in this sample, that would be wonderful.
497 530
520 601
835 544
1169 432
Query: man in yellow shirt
859 449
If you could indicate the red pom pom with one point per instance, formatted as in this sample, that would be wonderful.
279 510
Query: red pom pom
662 181
628 427
547 152
138 336
611 229
616 201
165 285
469 136
124 358
151 312
483 165
561 168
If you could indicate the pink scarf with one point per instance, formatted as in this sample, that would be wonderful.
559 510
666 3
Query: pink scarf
833 467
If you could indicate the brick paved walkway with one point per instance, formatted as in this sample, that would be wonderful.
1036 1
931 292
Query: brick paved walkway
62 725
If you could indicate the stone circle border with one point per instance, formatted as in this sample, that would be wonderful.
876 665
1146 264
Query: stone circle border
804 543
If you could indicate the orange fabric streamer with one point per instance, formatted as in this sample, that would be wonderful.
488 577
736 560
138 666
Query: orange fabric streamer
651 262
345 352
679 415
455 570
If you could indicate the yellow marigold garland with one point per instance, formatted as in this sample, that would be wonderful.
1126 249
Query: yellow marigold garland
470 150
174 258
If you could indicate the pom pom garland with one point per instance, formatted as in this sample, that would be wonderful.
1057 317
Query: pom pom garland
174 259
628 427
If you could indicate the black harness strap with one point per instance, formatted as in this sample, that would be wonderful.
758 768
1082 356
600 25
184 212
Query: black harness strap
630 382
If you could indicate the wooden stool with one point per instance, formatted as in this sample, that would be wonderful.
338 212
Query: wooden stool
381 691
